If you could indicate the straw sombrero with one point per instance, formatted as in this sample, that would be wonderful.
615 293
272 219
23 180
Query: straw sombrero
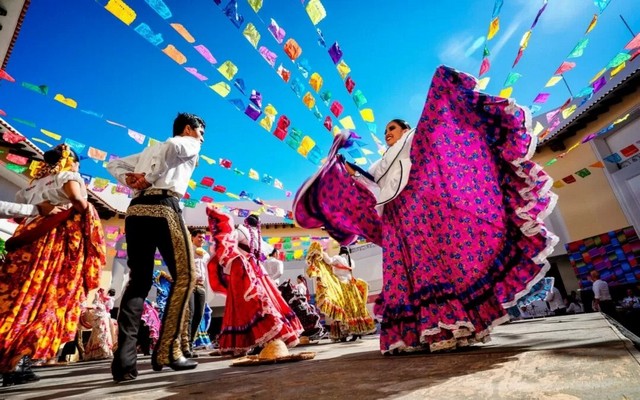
274 352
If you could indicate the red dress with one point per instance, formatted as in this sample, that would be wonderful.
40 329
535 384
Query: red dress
255 312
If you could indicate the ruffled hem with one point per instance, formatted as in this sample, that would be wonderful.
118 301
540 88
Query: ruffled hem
536 191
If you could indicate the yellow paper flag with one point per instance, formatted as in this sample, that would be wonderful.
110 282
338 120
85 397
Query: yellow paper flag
367 115
309 100
208 160
306 145
270 110
602 71
538 128
315 81
360 160
50 134
233 195
174 54
42 141
67 101
267 123
256 5
316 11
152 142
506 92
157 262
482 83
228 69
222 88
343 69
366 152
347 123
592 24
552 82
558 184
192 184
494 27
251 33
566 113
253 174
335 130
617 69
121 10
524 42
183 32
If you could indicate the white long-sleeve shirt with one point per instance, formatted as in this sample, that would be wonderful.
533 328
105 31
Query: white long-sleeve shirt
167 165
201 262
14 210
601 290
554 298
275 268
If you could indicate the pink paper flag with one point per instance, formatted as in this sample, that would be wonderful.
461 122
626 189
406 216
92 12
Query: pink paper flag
194 72
634 43
115 123
204 52
565 67
138 137
541 98
484 67
552 114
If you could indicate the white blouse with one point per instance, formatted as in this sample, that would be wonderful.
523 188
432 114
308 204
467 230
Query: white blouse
50 189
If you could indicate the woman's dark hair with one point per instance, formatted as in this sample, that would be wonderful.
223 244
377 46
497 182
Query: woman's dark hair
54 155
184 119
273 253
252 220
111 292
302 278
345 250
402 123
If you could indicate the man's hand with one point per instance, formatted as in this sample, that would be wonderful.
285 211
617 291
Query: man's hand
136 180
46 208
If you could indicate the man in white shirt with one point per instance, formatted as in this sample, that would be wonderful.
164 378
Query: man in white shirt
601 297
556 302
197 300
159 177
274 267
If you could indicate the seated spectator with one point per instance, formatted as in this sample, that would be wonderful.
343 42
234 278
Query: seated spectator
631 301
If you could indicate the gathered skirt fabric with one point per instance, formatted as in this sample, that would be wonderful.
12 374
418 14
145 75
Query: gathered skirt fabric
255 313
464 239
344 302
42 286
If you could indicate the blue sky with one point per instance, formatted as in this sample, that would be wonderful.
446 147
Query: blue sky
392 47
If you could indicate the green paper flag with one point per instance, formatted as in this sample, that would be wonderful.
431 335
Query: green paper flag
579 49
583 173
42 89
512 78
618 59
18 169
553 161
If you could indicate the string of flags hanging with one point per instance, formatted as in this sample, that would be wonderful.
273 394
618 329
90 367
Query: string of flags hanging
295 139
566 66
494 27
102 156
317 13
513 77
614 158
228 69
617 64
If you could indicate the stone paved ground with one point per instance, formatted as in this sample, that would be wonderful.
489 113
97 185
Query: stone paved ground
560 358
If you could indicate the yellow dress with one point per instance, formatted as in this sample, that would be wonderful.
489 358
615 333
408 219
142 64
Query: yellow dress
344 302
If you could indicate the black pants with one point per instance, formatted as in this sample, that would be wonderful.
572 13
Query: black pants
154 222
196 305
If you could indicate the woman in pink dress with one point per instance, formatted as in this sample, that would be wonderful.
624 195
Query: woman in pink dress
458 213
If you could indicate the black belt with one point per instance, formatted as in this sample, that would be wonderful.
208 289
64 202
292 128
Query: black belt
159 192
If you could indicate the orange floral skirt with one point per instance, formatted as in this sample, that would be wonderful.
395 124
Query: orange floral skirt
42 284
